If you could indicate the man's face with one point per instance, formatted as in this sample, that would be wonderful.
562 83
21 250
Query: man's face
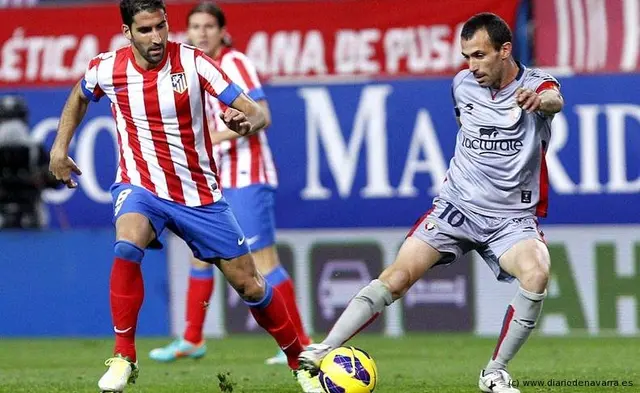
148 34
205 33
485 62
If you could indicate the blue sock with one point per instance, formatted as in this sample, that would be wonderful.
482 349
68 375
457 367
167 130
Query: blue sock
202 274
277 276
266 299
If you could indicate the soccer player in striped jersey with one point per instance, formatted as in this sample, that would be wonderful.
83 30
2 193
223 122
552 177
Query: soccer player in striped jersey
248 178
167 176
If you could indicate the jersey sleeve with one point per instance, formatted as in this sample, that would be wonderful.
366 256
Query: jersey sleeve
90 83
240 69
457 80
215 81
539 81
456 110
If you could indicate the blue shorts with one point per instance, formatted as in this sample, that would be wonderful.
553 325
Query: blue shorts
211 231
254 207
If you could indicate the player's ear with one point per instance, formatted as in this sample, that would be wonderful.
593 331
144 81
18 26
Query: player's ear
126 31
505 50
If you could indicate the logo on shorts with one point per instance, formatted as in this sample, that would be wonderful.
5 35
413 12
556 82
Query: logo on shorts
120 200
179 82
241 241
430 225
252 240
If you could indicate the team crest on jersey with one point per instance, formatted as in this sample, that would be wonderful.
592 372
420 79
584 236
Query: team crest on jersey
515 113
179 82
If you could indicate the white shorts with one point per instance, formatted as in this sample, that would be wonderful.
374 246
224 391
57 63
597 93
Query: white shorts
454 233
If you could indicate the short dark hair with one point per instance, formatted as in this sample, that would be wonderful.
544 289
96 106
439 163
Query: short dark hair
211 9
129 8
497 29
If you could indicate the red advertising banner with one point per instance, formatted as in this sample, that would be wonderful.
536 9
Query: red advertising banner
587 36
286 40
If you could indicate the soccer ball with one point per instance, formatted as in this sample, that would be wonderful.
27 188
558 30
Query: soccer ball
348 370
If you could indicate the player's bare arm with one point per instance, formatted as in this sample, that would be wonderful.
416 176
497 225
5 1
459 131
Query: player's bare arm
60 164
245 116
548 101
227 135
551 101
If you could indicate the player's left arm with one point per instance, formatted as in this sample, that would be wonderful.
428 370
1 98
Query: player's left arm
227 135
551 101
243 115
546 99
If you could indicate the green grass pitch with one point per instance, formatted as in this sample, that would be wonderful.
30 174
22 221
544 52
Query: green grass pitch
425 363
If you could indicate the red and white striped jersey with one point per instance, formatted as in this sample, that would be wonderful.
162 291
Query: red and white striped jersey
162 129
247 160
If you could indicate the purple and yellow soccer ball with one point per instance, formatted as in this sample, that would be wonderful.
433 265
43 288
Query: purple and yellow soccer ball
348 370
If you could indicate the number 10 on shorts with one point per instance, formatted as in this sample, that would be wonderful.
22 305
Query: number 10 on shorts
453 216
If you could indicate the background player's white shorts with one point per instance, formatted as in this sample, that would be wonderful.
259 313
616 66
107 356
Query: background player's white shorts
447 229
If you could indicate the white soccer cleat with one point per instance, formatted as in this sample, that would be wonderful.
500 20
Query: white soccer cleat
120 373
308 382
498 381
311 357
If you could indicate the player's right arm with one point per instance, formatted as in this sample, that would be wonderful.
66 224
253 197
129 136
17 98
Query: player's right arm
60 164
87 89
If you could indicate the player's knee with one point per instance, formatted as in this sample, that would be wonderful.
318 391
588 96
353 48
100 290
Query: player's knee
535 276
398 281
128 251
251 289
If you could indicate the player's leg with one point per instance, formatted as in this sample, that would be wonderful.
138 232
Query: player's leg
191 344
430 241
136 225
276 275
217 238
254 208
413 260
268 308
527 259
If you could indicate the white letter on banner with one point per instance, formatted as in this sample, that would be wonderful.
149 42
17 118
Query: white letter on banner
560 181
589 179
323 126
86 155
616 132
424 139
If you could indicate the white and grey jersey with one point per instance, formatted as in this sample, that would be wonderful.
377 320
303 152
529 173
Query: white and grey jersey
498 166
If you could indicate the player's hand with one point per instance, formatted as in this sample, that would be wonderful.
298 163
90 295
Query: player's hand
61 166
236 121
528 99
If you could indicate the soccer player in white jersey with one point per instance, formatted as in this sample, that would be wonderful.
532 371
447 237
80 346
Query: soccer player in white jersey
167 175
248 178
495 188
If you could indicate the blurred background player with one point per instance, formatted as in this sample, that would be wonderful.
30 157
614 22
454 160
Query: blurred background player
167 176
249 179
24 169
494 189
